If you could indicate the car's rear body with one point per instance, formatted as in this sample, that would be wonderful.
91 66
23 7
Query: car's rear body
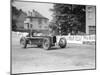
38 40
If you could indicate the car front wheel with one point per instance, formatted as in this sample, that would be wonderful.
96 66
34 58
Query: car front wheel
46 43
62 42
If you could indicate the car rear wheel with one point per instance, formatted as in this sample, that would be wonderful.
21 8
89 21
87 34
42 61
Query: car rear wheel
23 43
62 42
46 43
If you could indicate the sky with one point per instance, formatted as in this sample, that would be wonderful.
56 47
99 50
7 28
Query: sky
42 8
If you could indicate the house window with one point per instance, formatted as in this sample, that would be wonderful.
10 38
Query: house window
92 29
27 25
40 21
46 27
45 21
30 25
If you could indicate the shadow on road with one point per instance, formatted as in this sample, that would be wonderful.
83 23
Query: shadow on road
58 48
52 48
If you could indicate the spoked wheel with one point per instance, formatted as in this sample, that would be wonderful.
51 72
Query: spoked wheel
23 43
46 43
62 42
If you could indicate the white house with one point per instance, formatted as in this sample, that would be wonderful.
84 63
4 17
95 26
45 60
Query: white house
90 19
35 21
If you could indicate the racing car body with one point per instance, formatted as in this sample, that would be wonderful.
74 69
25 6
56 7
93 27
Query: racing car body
42 41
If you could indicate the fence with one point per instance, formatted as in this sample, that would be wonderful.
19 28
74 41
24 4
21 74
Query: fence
77 39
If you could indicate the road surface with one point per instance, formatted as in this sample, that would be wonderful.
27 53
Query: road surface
34 59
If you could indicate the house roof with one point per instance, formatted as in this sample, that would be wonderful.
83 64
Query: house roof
36 15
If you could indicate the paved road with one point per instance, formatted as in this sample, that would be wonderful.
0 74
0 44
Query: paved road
33 59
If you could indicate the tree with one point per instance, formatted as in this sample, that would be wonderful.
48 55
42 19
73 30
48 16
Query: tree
80 12
68 18
15 14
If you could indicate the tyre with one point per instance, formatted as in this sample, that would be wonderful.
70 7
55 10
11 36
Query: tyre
46 44
23 42
62 42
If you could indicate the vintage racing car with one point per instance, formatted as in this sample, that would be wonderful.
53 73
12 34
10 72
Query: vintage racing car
46 41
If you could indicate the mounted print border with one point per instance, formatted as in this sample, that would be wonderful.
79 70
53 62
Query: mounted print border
52 37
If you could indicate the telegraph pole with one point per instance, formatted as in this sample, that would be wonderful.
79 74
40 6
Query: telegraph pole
59 29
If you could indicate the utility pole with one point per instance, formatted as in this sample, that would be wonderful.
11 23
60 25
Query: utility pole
60 29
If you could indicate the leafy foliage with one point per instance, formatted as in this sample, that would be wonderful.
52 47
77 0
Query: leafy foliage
69 18
15 14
